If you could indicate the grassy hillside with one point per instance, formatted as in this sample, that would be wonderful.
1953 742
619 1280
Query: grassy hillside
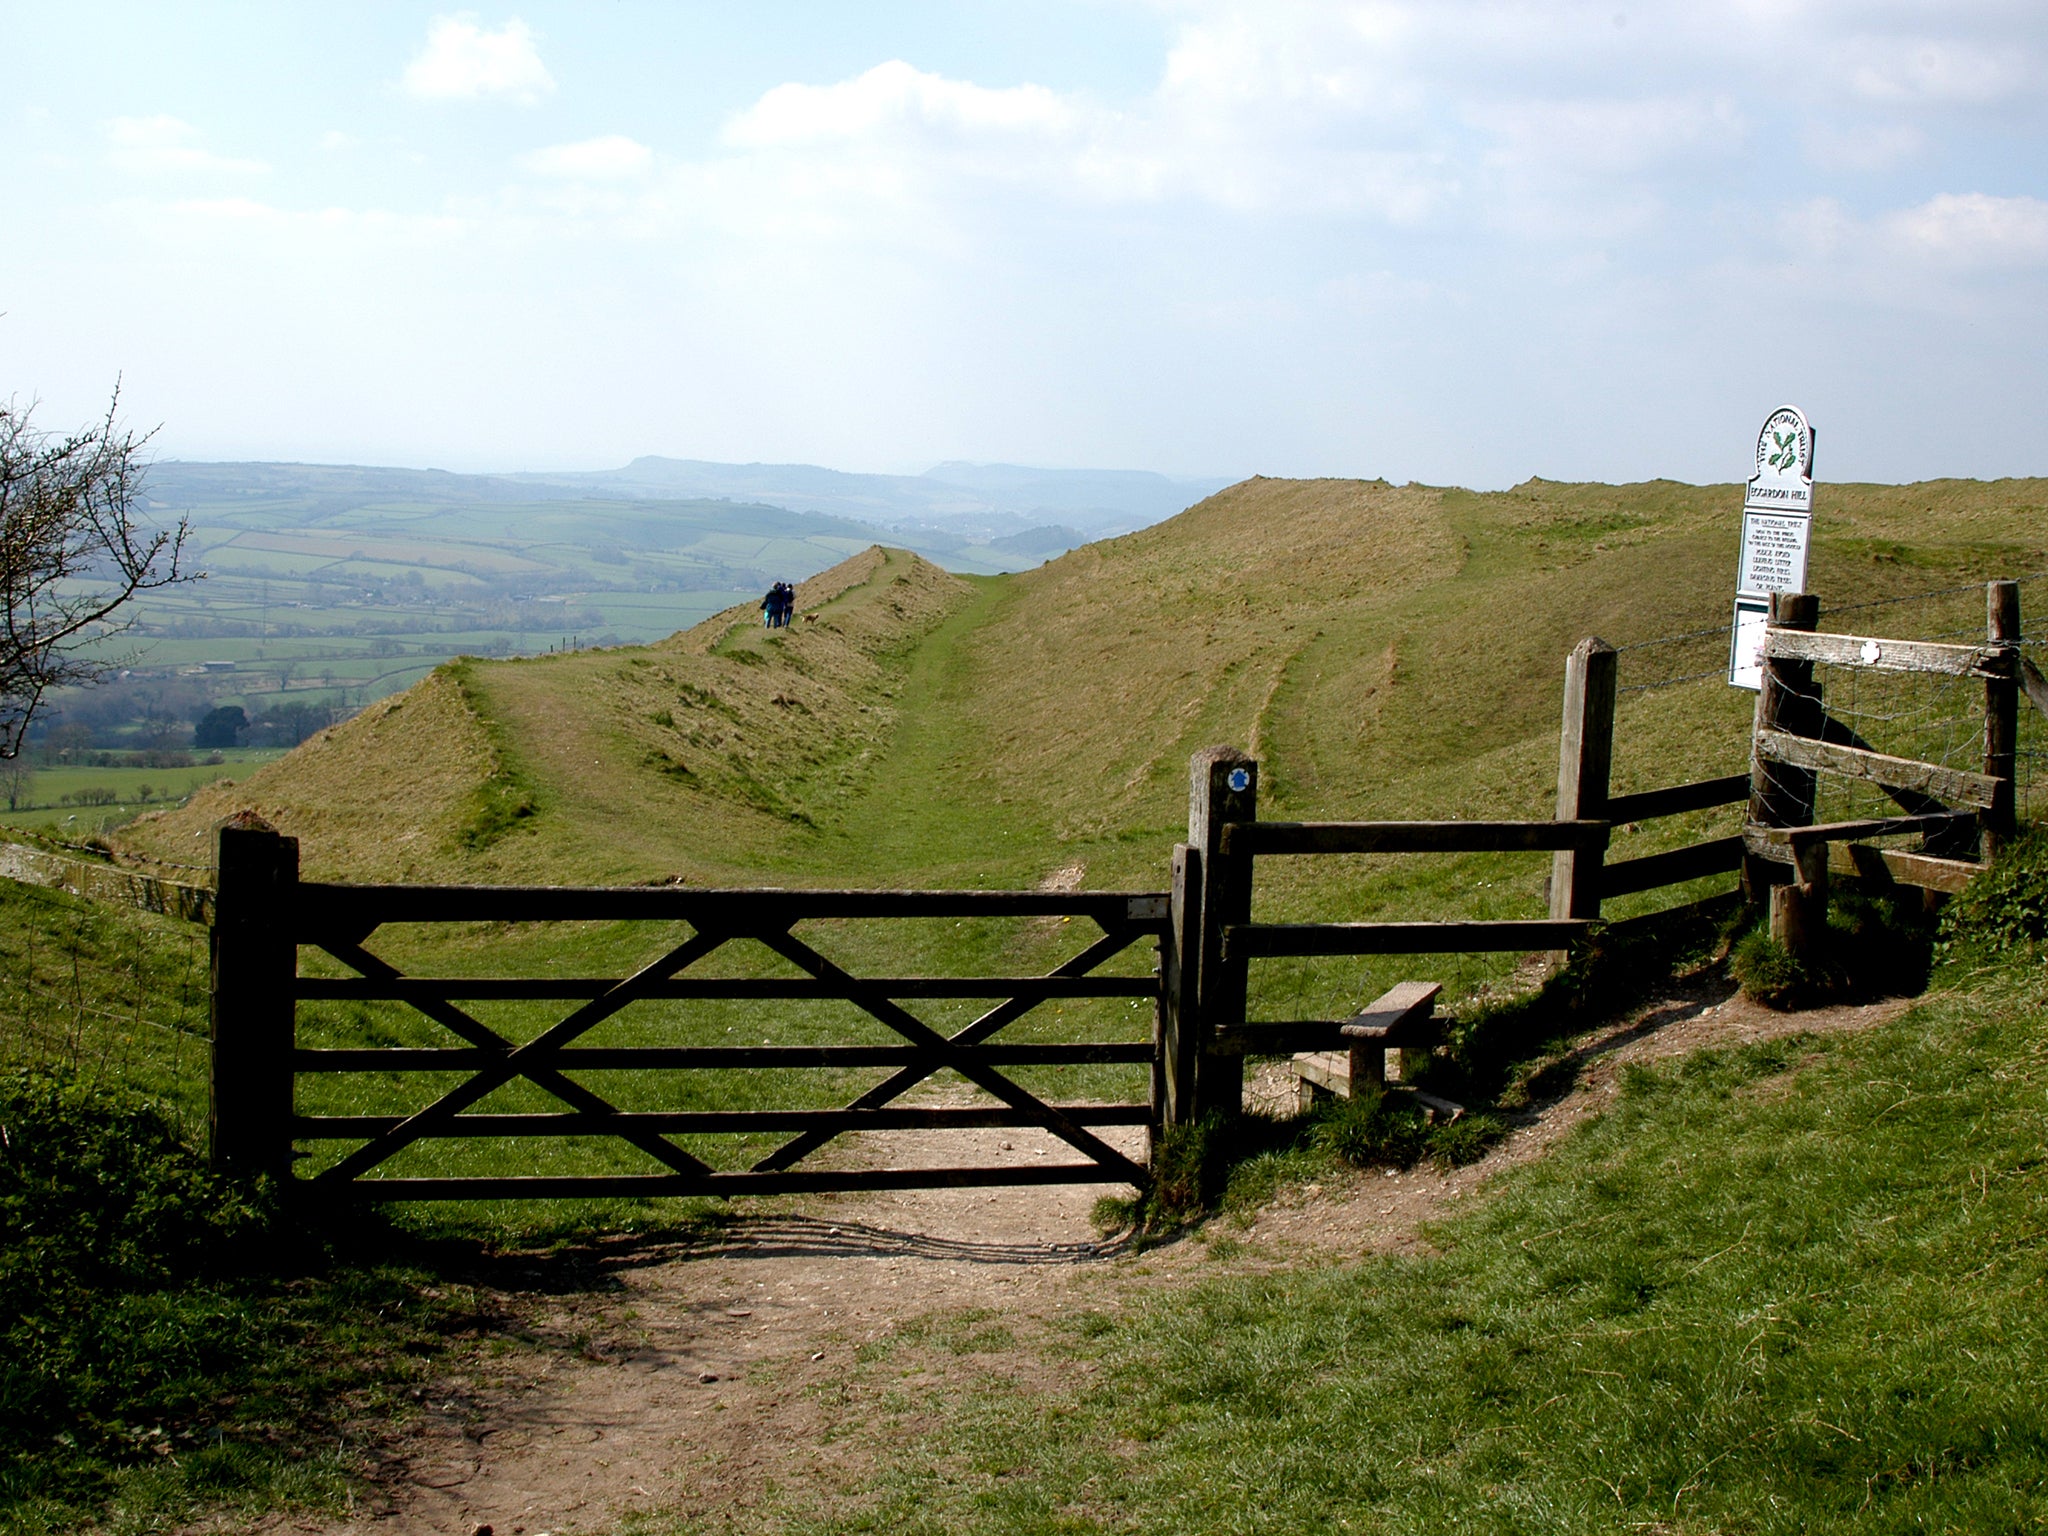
1384 650
1775 1289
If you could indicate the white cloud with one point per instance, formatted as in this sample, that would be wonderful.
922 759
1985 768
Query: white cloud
1973 230
613 157
894 97
1863 146
463 60
154 146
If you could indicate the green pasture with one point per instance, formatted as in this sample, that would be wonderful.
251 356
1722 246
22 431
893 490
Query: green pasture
47 786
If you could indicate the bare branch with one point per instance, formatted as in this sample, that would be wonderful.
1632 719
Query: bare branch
73 555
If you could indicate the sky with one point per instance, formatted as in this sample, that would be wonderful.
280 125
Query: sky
1456 241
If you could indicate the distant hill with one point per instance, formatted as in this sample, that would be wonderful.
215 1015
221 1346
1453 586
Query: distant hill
972 502
962 515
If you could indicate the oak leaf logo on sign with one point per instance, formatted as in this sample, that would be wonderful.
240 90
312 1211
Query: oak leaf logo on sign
1784 446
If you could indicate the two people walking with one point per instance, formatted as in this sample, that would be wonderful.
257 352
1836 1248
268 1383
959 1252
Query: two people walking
777 606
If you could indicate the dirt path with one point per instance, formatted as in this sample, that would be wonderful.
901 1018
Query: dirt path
707 1370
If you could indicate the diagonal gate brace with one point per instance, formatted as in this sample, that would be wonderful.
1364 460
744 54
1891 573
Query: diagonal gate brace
529 1061
997 1018
871 1001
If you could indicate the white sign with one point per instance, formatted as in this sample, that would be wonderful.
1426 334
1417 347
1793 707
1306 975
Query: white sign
1773 553
1746 654
1784 463
1777 521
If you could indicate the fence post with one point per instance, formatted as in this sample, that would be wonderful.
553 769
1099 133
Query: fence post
1585 760
1782 796
2001 717
1173 1075
1223 786
254 964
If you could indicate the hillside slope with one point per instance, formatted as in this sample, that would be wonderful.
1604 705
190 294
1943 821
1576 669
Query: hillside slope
699 757
1384 650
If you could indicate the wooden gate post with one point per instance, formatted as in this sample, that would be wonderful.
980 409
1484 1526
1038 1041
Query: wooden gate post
1180 1036
1782 796
1223 786
1585 760
2001 717
254 964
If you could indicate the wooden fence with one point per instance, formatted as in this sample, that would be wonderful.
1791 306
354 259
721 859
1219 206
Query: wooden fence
1203 932
1781 856
1963 816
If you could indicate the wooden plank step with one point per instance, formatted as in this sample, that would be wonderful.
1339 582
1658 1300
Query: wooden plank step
1283 1038
1883 866
1875 826
1402 1006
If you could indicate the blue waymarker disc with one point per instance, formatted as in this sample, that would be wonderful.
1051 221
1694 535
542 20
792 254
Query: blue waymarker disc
1240 780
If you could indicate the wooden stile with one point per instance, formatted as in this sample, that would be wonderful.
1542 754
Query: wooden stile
1781 795
1181 1035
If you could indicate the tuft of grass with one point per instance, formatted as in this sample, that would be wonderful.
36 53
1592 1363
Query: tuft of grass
1767 971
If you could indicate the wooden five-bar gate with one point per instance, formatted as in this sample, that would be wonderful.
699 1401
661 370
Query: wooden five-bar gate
265 914
1201 936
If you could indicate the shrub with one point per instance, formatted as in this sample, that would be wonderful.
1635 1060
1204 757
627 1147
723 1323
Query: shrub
1877 943
102 1205
2006 908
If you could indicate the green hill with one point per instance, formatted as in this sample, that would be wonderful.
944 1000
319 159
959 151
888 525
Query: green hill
1380 648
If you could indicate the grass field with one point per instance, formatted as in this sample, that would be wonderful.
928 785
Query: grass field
79 800
1788 1288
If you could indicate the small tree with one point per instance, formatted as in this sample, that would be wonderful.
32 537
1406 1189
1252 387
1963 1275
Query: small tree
17 780
72 555
220 728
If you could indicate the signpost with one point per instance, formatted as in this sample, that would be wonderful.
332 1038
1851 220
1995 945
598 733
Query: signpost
1777 518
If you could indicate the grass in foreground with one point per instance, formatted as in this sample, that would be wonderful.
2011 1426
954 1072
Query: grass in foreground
1793 1287
167 1337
